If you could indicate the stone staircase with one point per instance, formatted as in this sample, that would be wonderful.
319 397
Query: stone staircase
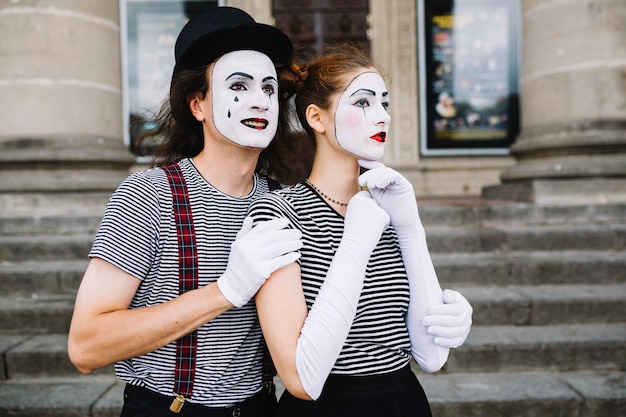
547 283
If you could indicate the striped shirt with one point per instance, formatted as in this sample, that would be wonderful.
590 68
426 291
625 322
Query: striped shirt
378 341
138 235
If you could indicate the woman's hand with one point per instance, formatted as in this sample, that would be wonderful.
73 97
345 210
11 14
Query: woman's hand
451 321
393 192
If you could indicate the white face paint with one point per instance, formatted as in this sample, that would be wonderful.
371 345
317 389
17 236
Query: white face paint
361 118
244 91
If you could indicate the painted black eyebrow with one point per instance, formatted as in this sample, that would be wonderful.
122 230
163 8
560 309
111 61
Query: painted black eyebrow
372 92
240 74
243 74
385 94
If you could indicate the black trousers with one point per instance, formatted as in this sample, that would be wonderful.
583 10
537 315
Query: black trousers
398 394
142 402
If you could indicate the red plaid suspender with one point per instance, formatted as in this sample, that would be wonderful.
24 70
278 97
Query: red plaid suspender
186 346
269 370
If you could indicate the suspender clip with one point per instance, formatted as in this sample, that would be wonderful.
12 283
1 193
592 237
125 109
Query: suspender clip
177 404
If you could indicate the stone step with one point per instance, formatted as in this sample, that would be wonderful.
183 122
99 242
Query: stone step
77 396
518 268
526 238
42 277
38 355
444 240
546 304
530 268
534 394
559 348
479 212
512 305
546 394
45 248
466 212
38 313
20 225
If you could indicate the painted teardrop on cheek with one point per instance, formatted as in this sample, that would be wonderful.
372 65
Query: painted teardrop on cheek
229 113
236 99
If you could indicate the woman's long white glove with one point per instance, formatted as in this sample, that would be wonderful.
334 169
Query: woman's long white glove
255 254
395 194
330 319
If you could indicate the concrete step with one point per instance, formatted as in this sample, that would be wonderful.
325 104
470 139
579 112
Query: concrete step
534 394
558 348
545 394
493 305
79 396
45 248
546 304
42 277
479 212
38 355
38 313
466 212
444 240
22 225
561 348
526 238
530 267
456 269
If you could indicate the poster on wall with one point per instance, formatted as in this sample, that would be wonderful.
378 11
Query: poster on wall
149 29
468 76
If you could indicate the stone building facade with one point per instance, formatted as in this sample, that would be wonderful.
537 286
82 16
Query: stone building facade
61 122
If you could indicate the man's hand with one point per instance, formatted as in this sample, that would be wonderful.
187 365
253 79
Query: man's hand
255 254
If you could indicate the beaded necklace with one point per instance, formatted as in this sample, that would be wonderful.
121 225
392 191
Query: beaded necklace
317 190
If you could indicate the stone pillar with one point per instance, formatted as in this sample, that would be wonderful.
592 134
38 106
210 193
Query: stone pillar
572 146
393 36
61 144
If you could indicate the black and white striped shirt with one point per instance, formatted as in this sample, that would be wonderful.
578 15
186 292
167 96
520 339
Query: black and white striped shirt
378 341
138 235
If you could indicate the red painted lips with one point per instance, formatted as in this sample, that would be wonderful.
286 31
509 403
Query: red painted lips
380 137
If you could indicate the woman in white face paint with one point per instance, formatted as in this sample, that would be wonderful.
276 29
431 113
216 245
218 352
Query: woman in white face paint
343 322
175 263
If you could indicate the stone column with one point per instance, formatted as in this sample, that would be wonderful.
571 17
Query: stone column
61 144
572 146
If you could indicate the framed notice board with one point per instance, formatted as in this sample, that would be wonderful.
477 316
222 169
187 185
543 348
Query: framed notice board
148 31
469 70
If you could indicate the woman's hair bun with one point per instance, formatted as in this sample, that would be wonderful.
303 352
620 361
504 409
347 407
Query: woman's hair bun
292 79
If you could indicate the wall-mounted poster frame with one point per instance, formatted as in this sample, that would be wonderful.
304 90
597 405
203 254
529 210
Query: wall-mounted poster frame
148 32
468 68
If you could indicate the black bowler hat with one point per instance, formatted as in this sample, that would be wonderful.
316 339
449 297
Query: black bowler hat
219 30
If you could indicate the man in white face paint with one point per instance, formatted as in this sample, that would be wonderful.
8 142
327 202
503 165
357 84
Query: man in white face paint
361 118
244 88
175 264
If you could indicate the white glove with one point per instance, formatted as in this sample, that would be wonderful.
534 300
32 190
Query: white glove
394 193
255 254
328 323
450 322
